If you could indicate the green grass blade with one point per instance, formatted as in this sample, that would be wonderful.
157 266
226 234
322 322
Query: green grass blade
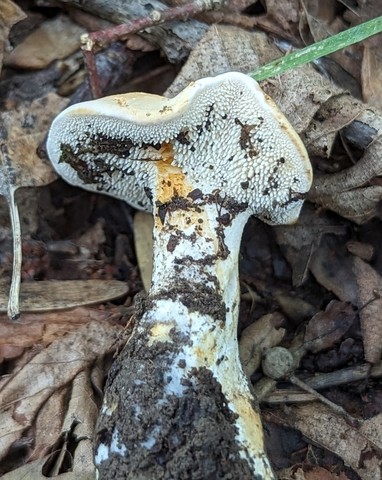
319 49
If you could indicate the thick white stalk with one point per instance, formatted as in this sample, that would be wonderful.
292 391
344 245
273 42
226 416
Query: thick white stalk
186 400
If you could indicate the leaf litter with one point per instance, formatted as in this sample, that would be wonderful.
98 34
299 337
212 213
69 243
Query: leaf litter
324 274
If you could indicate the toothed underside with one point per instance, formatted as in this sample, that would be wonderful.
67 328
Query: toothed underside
223 132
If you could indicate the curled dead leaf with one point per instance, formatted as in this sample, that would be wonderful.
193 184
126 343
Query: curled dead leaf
51 369
369 284
255 339
323 427
328 327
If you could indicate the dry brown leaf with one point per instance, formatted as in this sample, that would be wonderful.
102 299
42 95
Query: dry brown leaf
372 76
284 14
43 328
23 130
48 423
372 429
53 40
309 472
369 284
10 14
51 369
217 53
335 114
361 250
358 205
320 18
327 429
77 430
295 307
143 241
299 243
83 411
332 267
32 471
352 192
90 241
259 336
328 327
323 20
57 295
8 352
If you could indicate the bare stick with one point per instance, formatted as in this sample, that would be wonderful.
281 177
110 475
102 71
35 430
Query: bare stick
96 40
105 37
14 291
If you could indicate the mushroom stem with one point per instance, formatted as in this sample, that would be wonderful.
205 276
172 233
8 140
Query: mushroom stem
178 402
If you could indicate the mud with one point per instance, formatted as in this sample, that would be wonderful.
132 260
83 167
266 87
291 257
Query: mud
166 436
197 298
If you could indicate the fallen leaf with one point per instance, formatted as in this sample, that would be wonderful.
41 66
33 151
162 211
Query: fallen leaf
309 472
334 114
300 243
53 40
50 370
73 452
320 18
32 471
217 53
372 76
48 423
10 14
22 131
362 250
372 428
328 327
323 21
259 336
90 241
358 205
352 192
143 241
295 307
369 284
41 329
57 295
284 14
331 431
332 267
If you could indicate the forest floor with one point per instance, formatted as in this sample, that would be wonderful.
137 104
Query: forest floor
314 288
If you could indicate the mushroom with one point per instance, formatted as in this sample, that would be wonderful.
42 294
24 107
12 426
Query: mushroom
177 403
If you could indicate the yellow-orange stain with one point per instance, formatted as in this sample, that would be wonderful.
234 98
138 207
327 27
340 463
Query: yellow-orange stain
172 182
251 424
160 332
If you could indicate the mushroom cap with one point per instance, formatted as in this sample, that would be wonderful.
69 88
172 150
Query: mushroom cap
223 132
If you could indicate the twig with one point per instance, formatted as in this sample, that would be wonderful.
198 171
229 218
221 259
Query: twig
96 40
14 292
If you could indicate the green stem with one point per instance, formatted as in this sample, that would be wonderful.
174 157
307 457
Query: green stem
319 49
